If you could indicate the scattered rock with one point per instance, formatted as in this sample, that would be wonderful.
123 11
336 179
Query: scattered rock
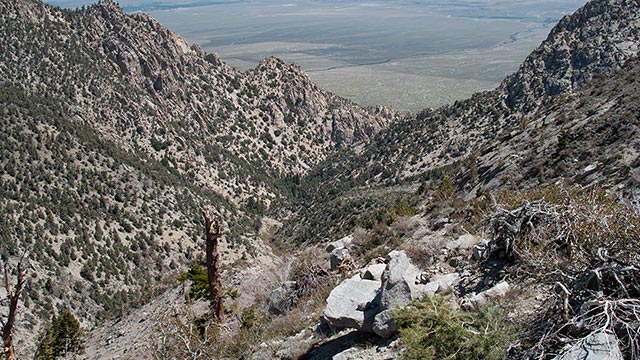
383 324
495 293
343 302
282 298
345 242
373 272
365 301
597 346
337 256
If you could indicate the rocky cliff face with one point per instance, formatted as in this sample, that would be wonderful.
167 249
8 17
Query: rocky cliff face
598 38
589 137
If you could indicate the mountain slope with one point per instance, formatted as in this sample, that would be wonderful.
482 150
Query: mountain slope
594 41
595 126
116 134
598 38
587 138
144 88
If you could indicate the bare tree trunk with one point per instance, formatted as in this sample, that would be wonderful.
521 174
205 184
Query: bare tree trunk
14 297
212 234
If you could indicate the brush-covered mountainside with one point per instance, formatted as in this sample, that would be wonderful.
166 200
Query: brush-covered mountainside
529 250
598 39
587 137
116 134
518 206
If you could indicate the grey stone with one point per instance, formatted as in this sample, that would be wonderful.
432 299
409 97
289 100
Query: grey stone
364 304
345 242
281 299
383 324
337 256
480 250
402 282
597 346
213 59
399 281
440 223
429 288
343 302
481 299
464 242
349 354
374 272
446 283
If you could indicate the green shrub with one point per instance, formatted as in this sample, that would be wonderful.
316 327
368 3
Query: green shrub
432 329
59 337
564 139
199 281
403 208
158 144
252 318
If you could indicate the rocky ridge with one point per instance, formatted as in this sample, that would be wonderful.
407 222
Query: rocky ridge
144 88
587 138
598 39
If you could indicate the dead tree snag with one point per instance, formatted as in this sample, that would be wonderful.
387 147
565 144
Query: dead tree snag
13 295
212 234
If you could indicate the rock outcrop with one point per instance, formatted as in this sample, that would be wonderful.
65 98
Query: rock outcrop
483 298
365 301
353 304
282 298
599 37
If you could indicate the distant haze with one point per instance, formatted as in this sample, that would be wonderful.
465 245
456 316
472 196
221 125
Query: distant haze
405 54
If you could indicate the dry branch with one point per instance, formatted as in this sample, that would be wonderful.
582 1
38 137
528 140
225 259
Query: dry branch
585 245
13 295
